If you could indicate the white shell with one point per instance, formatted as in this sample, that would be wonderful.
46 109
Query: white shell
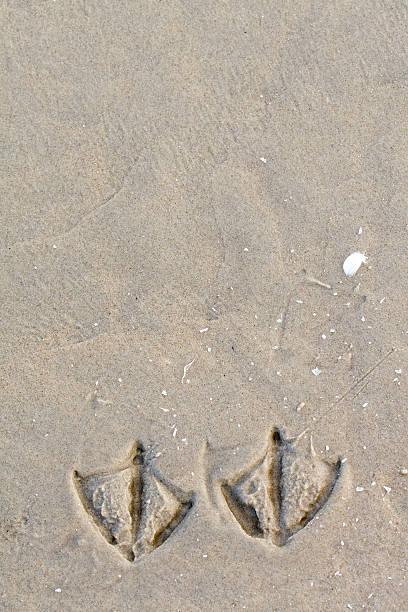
353 262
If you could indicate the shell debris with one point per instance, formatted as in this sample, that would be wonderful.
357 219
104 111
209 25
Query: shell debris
353 262
186 369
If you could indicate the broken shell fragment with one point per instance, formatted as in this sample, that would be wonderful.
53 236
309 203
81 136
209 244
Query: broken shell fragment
353 262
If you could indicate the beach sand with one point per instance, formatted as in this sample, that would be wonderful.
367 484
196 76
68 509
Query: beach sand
181 184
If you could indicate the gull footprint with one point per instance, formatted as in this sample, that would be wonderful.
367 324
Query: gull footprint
282 492
131 506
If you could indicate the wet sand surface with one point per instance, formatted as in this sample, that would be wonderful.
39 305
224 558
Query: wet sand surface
199 409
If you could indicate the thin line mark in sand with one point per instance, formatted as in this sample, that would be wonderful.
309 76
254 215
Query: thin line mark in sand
86 216
361 389
316 281
284 318
354 385
96 209
100 206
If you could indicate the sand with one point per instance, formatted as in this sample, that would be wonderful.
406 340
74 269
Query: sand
181 184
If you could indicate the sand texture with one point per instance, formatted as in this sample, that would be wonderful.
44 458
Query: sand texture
200 411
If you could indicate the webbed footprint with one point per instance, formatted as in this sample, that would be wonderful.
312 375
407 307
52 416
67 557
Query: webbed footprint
282 492
131 506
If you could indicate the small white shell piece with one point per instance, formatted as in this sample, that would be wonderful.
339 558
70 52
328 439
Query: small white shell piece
353 262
